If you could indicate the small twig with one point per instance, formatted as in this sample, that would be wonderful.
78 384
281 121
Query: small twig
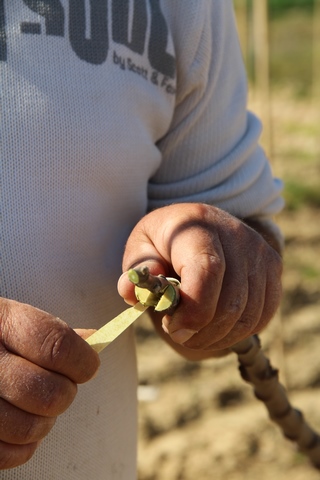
256 369
141 277
162 292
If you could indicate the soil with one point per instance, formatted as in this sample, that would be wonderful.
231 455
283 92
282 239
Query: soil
201 421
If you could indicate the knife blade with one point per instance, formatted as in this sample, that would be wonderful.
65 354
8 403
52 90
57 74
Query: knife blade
109 332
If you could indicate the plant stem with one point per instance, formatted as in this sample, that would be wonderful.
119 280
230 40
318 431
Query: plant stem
256 369
142 278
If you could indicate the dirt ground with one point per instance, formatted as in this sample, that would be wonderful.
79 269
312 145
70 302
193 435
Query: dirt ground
200 421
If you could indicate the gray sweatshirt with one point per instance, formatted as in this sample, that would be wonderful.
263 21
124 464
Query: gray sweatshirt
110 109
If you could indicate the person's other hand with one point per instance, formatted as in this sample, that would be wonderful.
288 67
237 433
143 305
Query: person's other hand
230 276
41 362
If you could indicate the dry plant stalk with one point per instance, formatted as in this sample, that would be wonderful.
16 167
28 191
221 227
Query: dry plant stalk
256 369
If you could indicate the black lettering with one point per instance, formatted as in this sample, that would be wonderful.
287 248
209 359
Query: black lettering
171 90
159 59
95 49
118 60
155 77
3 36
136 69
28 27
52 11
120 24
165 83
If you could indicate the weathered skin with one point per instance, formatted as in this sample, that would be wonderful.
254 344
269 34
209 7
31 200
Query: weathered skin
230 275
41 362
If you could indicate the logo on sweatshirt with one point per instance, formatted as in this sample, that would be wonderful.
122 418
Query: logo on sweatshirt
96 29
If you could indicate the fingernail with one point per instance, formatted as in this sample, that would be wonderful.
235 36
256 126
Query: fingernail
182 336
165 328
123 275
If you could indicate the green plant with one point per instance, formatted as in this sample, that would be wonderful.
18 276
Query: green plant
281 6
298 194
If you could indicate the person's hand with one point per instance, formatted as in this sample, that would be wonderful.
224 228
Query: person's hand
230 276
41 362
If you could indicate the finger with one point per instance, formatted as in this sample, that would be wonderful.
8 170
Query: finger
14 455
231 306
32 388
201 267
47 341
146 246
232 302
273 294
21 428
264 297
241 305
250 317
84 332
126 288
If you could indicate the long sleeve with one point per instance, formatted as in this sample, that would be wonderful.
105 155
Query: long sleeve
211 153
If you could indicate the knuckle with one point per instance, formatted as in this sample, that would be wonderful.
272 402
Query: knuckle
35 429
60 347
245 325
56 346
49 394
27 432
57 398
212 264
199 210
234 308
235 305
4 309
5 323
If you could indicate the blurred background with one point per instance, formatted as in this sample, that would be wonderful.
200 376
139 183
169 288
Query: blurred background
200 420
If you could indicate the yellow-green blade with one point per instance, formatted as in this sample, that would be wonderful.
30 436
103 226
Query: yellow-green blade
109 332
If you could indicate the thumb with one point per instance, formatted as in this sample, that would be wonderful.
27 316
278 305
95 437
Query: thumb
126 287
142 250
